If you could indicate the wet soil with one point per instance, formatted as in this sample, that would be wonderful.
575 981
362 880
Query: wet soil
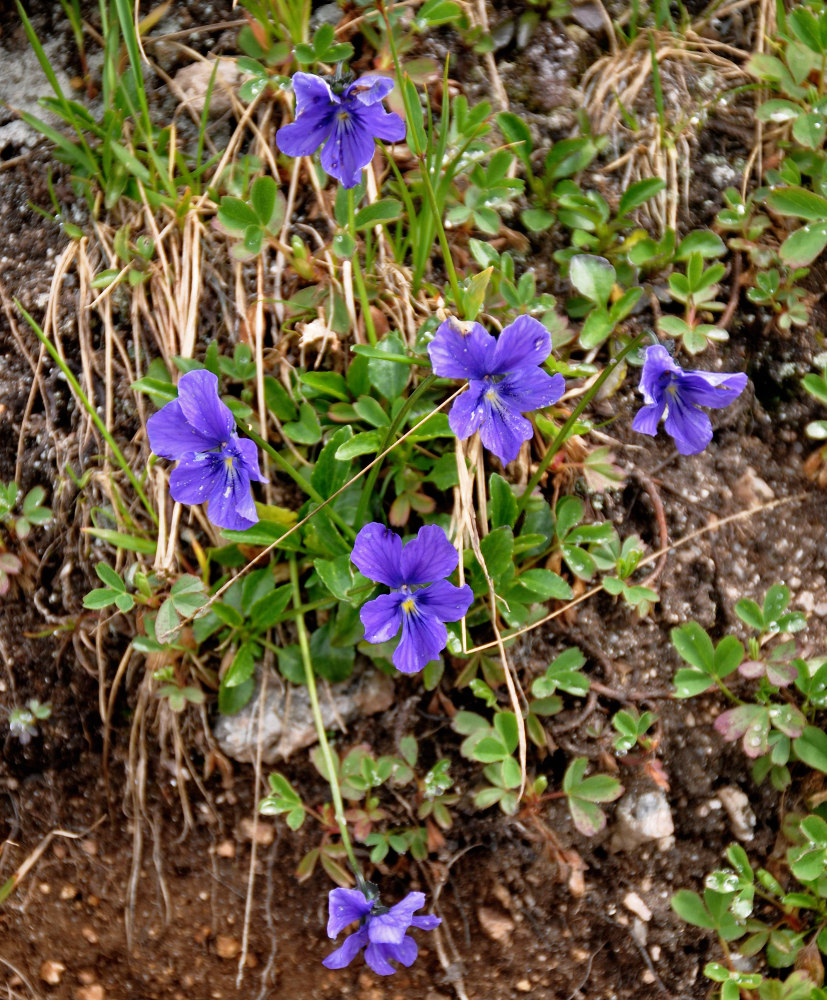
86 923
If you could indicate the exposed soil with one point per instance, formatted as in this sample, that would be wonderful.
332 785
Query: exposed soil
515 922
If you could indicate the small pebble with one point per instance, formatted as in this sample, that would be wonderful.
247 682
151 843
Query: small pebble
93 992
226 946
497 925
52 971
634 903
254 829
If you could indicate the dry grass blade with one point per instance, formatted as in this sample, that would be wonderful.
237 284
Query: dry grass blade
467 530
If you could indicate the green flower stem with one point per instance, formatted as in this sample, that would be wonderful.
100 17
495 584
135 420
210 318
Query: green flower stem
331 765
357 270
565 430
390 435
459 299
304 484
90 409
427 181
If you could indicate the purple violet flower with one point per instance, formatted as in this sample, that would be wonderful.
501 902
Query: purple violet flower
347 123
666 386
214 464
504 380
383 932
421 599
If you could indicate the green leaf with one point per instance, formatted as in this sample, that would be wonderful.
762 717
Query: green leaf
593 277
188 595
808 130
778 111
266 611
497 550
371 411
233 699
700 241
278 399
537 220
489 750
327 383
543 585
366 443
638 194
502 504
803 246
330 472
385 210
99 598
473 292
306 430
695 646
336 575
334 663
417 141
167 622
389 377
729 654
587 817
263 198
505 723
242 667
776 601
131 543
805 27
236 215
690 907
110 577
798 201
750 614
811 748
689 683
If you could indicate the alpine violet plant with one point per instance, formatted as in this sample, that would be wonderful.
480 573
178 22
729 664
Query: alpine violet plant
504 380
346 121
214 464
666 386
421 599
383 932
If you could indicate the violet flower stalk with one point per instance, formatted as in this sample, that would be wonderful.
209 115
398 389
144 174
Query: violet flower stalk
505 380
421 599
345 123
667 387
215 465
382 932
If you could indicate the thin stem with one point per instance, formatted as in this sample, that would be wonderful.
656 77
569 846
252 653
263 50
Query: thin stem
425 170
331 766
443 239
390 434
357 270
90 409
304 484
565 430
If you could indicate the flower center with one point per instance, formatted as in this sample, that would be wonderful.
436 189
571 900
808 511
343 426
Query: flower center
343 116
409 605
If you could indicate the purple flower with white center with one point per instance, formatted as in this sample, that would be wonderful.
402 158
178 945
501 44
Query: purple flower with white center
383 932
504 380
666 386
421 599
214 464
347 123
